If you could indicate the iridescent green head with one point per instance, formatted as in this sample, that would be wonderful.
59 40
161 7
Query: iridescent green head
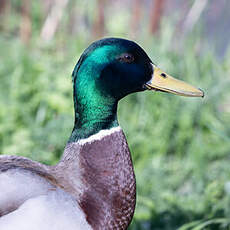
108 70
113 68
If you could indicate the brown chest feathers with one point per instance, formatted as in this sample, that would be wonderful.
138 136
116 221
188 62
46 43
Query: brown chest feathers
106 185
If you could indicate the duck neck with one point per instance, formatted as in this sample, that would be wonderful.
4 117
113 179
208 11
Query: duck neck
100 173
91 116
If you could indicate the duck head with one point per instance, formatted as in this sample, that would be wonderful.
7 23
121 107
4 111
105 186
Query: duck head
110 69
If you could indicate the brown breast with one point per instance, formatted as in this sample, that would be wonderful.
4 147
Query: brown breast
108 189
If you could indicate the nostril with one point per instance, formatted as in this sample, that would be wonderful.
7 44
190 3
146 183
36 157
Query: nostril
163 75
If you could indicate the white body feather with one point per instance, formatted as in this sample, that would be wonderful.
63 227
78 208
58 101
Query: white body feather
40 205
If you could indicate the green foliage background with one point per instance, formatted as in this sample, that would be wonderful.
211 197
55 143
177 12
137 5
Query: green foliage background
180 146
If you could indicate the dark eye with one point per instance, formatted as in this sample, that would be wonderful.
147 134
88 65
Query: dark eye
128 58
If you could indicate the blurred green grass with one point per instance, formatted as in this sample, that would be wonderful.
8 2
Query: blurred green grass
180 146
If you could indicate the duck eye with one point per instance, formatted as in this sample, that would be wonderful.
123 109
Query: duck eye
128 58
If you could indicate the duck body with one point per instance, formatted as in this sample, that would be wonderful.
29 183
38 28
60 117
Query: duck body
93 186
104 192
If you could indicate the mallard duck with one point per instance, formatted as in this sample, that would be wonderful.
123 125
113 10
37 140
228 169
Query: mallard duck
93 186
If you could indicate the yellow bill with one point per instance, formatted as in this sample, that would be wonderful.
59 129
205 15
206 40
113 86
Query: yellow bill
163 82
